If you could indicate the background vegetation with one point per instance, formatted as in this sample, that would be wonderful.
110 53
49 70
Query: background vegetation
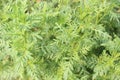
60 40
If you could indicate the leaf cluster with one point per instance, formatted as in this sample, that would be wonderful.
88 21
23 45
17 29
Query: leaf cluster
59 40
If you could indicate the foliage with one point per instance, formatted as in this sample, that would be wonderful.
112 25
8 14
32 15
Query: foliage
60 40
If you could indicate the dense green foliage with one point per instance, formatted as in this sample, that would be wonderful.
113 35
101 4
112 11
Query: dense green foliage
60 40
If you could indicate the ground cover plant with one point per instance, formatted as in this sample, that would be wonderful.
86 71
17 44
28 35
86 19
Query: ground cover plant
59 39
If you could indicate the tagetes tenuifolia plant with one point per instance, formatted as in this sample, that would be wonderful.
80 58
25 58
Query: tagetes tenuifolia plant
59 39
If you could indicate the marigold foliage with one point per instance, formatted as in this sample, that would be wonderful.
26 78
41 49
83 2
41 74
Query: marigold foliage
60 40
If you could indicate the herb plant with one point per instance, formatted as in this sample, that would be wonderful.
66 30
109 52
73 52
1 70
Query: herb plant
60 40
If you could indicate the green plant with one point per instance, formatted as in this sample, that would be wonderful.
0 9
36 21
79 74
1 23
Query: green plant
60 40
